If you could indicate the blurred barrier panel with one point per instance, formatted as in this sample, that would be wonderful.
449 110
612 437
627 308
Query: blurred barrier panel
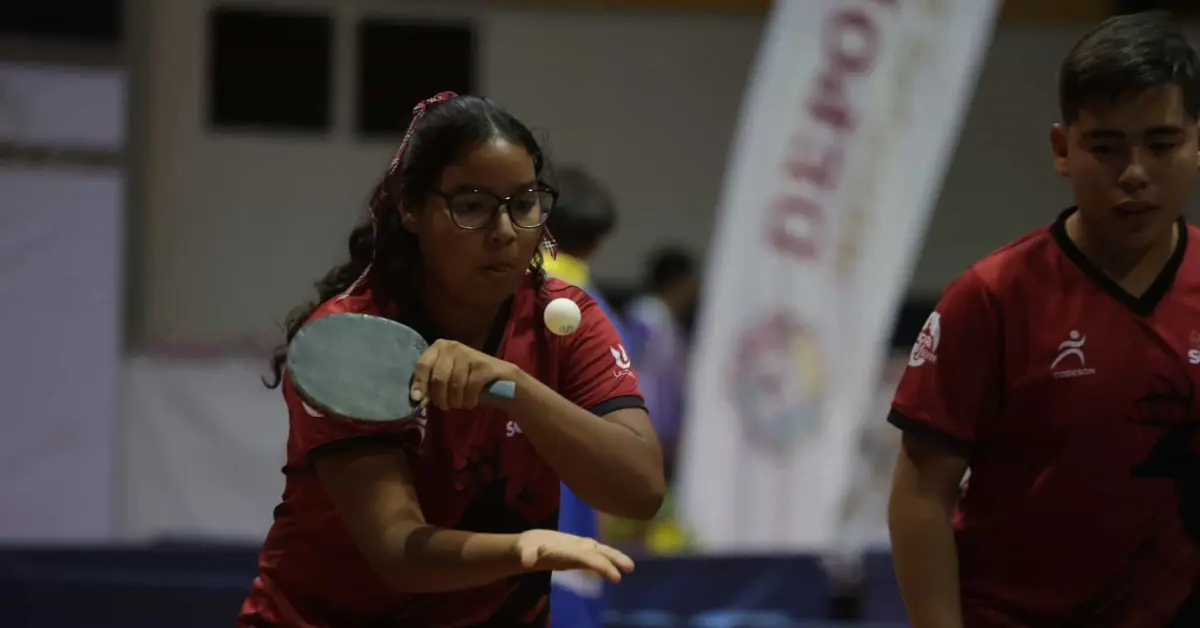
203 444
60 278
60 234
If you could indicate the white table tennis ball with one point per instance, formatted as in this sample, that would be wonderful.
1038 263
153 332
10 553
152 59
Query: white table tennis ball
562 316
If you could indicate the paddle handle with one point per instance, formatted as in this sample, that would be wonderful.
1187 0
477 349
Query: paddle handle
501 389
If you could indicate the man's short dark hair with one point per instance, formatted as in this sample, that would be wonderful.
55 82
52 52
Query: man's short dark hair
668 266
585 212
1124 56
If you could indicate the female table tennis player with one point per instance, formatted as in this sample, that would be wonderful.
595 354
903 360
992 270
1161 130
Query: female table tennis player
448 519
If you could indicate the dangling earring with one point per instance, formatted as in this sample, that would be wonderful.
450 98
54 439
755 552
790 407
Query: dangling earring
548 244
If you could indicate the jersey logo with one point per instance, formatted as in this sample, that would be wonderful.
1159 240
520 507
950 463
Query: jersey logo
621 358
512 429
925 348
1071 348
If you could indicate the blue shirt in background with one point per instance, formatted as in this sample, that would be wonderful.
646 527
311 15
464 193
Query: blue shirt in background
577 597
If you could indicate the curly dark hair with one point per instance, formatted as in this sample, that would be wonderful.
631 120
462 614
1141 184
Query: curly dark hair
441 132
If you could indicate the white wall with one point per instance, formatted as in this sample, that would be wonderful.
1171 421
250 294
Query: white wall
238 226
1001 182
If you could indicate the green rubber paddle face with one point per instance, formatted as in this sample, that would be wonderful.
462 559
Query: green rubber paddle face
359 366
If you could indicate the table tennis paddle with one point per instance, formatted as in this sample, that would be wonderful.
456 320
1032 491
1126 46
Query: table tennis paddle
360 367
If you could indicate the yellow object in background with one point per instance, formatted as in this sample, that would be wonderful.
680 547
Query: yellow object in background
666 536
662 536
567 268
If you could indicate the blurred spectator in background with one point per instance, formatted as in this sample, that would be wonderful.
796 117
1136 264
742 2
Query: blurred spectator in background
655 337
584 217
582 220
656 323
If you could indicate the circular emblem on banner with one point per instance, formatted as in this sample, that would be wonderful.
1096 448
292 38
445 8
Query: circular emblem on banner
779 382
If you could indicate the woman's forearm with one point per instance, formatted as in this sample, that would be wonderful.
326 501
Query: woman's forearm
606 464
427 559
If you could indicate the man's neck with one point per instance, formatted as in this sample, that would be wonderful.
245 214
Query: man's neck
456 321
1134 269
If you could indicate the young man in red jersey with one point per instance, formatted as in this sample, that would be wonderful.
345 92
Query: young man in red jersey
1061 369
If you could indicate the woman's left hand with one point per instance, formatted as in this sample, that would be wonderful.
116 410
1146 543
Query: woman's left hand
452 375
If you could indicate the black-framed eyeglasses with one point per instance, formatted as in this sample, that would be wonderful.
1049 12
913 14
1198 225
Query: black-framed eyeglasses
477 209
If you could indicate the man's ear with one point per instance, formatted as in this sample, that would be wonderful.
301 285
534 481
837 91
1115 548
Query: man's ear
1198 144
1060 145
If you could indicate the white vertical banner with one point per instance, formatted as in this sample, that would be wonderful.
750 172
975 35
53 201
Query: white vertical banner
846 131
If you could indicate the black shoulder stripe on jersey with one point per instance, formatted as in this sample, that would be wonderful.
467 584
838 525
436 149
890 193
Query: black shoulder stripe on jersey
618 403
930 434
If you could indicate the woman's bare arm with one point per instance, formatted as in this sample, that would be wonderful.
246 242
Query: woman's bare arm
612 462
374 495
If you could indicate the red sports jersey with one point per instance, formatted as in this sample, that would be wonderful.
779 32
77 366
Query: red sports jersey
1075 404
474 470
